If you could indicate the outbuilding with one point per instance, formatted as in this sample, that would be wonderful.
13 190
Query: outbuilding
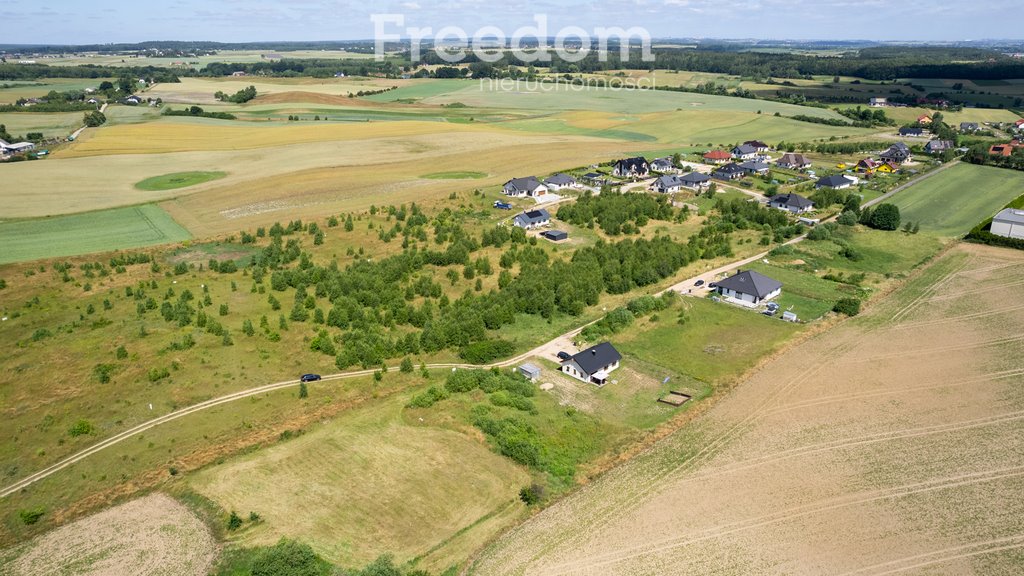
530 371
555 235
1009 223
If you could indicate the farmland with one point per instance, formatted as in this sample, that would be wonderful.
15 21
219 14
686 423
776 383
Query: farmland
953 203
119 228
178 180
831 437
50 124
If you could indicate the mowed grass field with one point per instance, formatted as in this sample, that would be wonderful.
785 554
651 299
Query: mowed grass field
367 484
178 180
130 227
51 124
840 435
951 203
18 89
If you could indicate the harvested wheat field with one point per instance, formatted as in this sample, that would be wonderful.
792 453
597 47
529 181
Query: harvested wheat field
891 444
149 536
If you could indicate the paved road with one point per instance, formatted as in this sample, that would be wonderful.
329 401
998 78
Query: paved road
546 350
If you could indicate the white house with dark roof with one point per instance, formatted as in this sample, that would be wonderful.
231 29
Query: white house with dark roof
744 152
631 167
667 184
532 219
695 181
1009 223
663 165
753 167
749 288
898 153
559 181
594 364
793 161
794 203
937 146
837 181
528 186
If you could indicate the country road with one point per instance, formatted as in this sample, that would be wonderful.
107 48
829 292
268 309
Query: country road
546 350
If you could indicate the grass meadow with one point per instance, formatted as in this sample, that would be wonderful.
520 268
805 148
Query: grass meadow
118 228
50 124
953 202
178 180
18 89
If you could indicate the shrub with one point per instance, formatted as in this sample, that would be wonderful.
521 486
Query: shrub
81 428
234 521
303 390
121 353
847 306
486 351
532 494
847 218
157 374
407 366
427 399
32 515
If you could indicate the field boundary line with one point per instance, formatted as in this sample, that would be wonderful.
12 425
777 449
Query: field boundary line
1018 539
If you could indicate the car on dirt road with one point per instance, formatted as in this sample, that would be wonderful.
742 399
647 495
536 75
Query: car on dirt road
563 356
698 283
310 377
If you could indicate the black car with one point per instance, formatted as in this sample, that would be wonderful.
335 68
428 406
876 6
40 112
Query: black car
698 283
310 377
564 355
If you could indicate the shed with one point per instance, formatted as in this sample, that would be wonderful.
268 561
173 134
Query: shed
555 235
789 316
530 371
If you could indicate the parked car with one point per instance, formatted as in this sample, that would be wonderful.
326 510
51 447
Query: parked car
310 377
698 283
712 285
502 205
564 356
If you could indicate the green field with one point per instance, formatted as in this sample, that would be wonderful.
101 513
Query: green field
953 202
118 228
178 180
51 124
28 89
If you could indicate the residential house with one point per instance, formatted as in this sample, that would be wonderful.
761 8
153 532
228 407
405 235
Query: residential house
744 152
837 182
969 127
532 219
528 186
867 166
631 168
1009 224
889 167
911 132
559 181
663 165
794 203
667 184
924 119
717 157
1019 124
938 146
878 102
595 178
729 172
761 147
133 100
594 364
898 153
1003 150
749 288
755 167
793 161
696 181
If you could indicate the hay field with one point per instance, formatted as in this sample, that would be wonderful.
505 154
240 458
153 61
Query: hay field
73 234
153 535
845 455
955 201
36 89
367 484
201 90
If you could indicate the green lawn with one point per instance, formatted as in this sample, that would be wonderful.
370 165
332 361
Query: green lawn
951 203
117 228
717 342
178 180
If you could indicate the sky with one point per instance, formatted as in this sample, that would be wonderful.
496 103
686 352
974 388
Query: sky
102 21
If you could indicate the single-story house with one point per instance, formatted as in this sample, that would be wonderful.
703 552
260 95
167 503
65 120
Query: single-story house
528 186
898 153
555 235
717 157
1009 224
969 127
695 180
911 131
594 364
744 152
667 184
729 172
530 371
878 102
924 119
559 181
888 166
761 147
749 287
794 203
532 219
1019 124
837 181
663 165
755 167
936 146
793 161
1001 150
631 167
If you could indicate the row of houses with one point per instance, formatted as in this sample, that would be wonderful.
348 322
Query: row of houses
531 187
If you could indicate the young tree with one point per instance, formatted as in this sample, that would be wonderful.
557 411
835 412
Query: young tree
407 366
303 390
